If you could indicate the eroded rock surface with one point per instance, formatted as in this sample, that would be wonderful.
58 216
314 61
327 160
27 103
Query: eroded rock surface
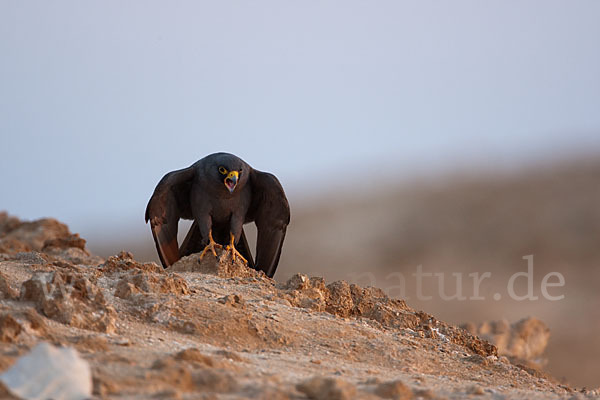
70 299
213 328
350 300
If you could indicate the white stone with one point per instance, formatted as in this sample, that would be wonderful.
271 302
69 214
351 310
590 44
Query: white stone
49 372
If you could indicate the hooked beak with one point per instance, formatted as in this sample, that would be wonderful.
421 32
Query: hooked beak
231 181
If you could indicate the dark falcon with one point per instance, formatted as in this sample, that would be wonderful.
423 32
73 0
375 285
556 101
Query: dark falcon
220 193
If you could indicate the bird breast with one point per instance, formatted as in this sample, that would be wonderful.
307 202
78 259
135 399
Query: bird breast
223 207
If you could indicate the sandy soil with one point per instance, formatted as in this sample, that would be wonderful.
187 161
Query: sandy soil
215 329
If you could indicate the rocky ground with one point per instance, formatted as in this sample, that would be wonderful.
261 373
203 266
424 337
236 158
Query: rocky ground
215 329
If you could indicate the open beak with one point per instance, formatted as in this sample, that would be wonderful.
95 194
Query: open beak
231 181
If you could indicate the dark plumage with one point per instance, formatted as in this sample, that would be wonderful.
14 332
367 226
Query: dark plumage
220 193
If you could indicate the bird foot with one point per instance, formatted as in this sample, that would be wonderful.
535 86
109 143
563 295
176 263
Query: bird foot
231 250
211 246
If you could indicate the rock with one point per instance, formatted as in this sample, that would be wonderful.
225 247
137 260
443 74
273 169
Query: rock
70 299
103 386
124 262
215 381
270 394
177 376
39 287
297 282
340 299
477 359
45 235
7 223
523 340
394 390
196 356
183 326
529 338
461 337
504 360
140 281
476 390
197 359
6 291
319 388
73 255
65 242
70 248
221 266
426 394
168 394
9 328
36 321
231 355
91 344
233 300
345 300
48 372
12 246
31 257
300 291
26 236
125 290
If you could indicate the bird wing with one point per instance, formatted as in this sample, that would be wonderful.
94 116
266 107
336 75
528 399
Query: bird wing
271 212
170 202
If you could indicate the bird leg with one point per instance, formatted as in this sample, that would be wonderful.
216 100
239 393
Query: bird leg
210 246
231 249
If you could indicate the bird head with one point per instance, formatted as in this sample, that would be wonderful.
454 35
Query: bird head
230 178
230 170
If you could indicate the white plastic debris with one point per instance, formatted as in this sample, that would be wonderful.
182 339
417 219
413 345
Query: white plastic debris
49 372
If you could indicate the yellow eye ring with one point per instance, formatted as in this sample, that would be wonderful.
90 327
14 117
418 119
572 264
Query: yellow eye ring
222 170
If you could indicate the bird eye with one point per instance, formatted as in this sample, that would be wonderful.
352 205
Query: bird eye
222 170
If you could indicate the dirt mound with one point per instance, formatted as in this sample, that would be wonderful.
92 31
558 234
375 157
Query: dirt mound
350 300
223 266
216 328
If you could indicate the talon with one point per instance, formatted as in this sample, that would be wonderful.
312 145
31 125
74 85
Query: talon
212 245
232 250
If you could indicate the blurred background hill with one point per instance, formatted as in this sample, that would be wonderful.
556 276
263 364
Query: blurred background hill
458 136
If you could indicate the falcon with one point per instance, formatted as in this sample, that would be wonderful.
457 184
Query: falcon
220 193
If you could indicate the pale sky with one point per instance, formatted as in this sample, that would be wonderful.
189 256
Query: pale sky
99 99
